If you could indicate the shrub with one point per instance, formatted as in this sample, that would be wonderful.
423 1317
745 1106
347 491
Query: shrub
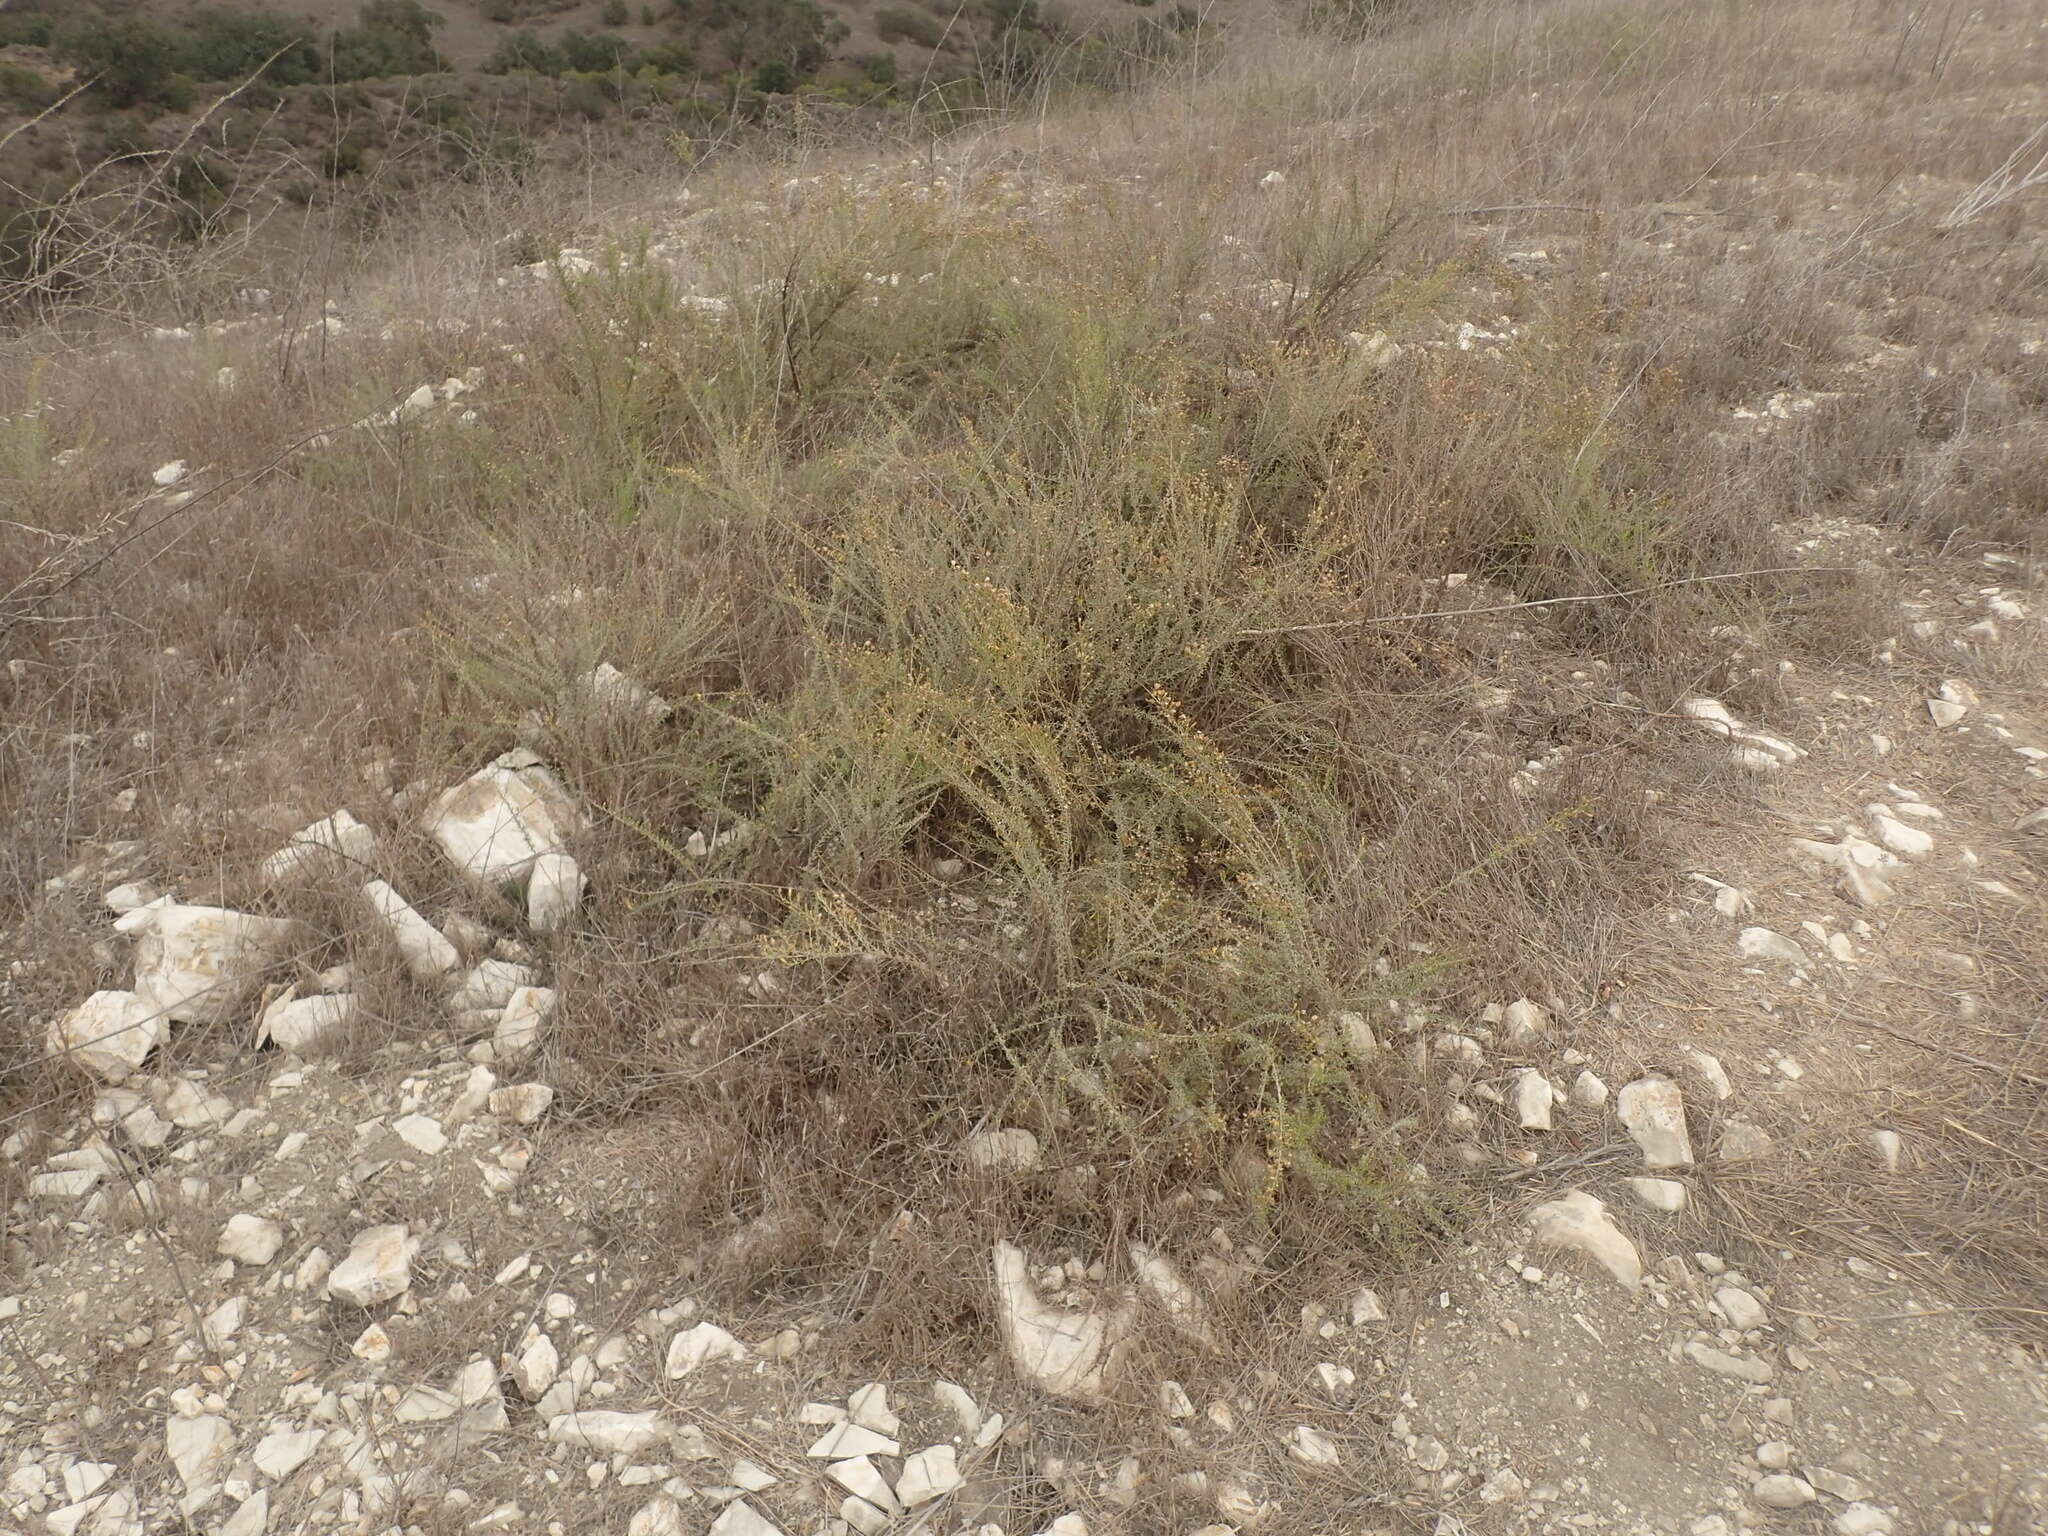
130 58
390 37
22 89
524 53
899 23
223 45
616 13
592 52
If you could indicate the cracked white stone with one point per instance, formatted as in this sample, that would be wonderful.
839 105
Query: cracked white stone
1070 1354
519 1027
863 1479
496 823
199 965
422 1133
1781 1490
535 1368
844 1441
523 1103
607 1432
378 1267
283 1451
1523 1024
1666 1195
109 1035
251 1240
930 1474
1533 1099
1312 1448
1580 1221
868 1407
742 1519
308 1026
1766 944
705 1344
1012 1150
1653 1111
1742 1310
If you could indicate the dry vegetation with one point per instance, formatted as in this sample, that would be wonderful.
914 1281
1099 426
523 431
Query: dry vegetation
1033 552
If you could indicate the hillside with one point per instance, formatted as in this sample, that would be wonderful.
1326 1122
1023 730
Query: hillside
1303 789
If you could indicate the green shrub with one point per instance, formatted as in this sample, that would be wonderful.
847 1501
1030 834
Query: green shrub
390 37
616 13
592 52
23 90
524 53
899 23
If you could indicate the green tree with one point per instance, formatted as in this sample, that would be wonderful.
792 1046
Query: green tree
390 37
616 13
589 53
226 44
130 59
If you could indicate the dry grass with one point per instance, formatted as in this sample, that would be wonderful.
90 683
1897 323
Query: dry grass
1046 517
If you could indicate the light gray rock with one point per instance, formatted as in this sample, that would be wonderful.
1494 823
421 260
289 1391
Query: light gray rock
1781 1490
1070 1354
428 954
705 1344
863 1479
523 1103
742 1519
1721 1363
309 1026
554 893
1523 1024
109 1035
1742 1310
1764 944
841 1442
1666 1195
489 985
1861 1519
1653 1112
1014 1150
1533 1099
930 1474
609 1433
1888 1146
251 1240
201 1449
498 821
1579 1221
519 1027
200 965
283 1451
1588 1091
338 839
378 1267
1742 1142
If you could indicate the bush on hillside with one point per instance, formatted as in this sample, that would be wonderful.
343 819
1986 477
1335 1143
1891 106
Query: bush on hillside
900 23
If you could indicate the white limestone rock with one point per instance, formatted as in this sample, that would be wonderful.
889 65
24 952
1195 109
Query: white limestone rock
1013 1150
109 1035
498 821
308 1026
428 954
705 1344
378 1267
1533 1099
250 1240
522 1103
554 892
1764 944
1580 1221
609 1433
200 965
338 839
1653 1111
1069 1354
519 1027
930 1474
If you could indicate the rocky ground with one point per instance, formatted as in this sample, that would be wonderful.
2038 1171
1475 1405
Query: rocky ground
270 1272
293 1291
